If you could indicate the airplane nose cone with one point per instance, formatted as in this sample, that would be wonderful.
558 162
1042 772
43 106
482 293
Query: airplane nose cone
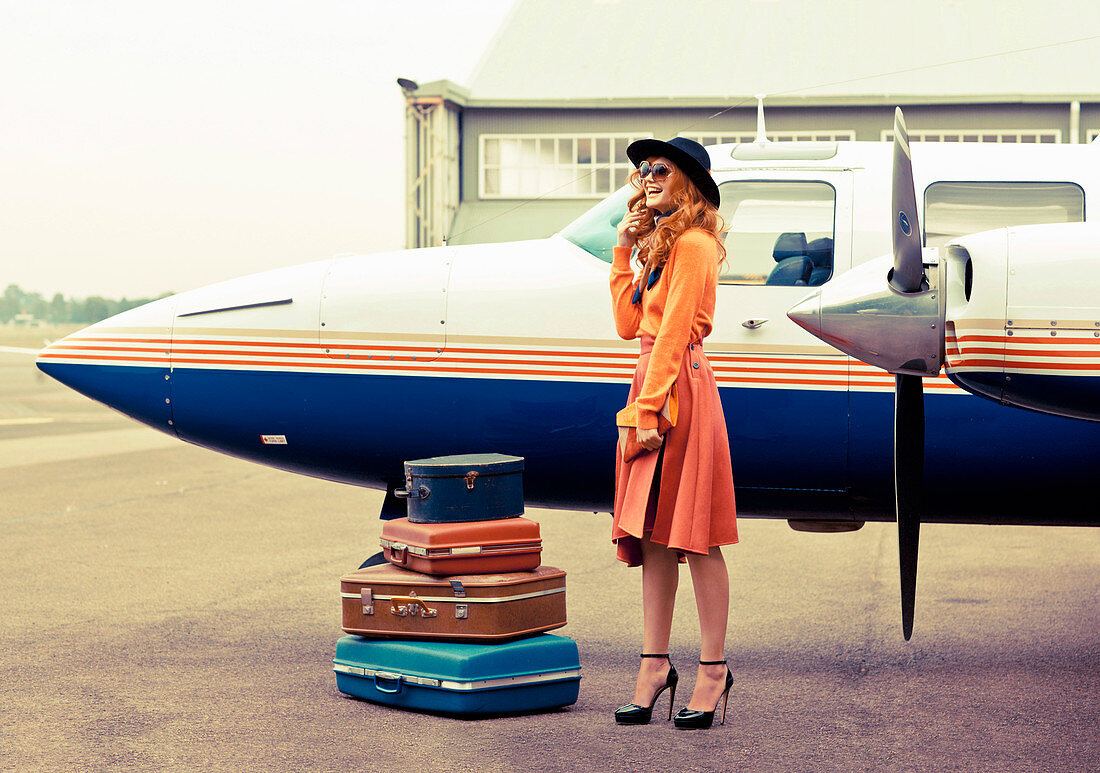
807 313
122 362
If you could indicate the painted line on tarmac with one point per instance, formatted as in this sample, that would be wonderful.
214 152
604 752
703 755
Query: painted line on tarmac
18 350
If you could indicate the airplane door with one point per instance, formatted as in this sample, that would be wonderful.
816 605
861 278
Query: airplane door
784 392
386 312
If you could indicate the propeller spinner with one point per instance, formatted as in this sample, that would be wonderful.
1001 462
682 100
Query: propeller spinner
892 316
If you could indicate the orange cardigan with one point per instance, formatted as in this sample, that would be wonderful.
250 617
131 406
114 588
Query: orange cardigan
676 311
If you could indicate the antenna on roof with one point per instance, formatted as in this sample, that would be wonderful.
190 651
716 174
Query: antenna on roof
761 136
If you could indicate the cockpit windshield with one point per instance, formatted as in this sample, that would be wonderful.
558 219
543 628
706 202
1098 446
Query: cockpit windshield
596 231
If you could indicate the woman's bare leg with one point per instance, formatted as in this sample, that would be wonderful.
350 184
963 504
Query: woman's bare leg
712 598
660 575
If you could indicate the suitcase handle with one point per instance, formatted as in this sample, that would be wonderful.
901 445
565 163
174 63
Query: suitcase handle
410 608
423 492
399 554
386 677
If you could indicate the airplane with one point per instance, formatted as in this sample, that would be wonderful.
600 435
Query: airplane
346 367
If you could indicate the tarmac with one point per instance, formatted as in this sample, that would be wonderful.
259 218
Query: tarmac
169 608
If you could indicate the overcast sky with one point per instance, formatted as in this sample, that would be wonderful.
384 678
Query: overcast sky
148 146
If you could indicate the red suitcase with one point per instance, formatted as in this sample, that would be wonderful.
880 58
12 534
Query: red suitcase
390 602
470 547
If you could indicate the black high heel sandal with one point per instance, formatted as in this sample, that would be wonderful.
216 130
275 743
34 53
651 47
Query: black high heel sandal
633 714
691 719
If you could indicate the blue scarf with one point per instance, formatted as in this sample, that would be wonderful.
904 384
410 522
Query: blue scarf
654 272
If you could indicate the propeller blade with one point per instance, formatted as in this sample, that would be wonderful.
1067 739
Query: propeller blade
908 485
908 271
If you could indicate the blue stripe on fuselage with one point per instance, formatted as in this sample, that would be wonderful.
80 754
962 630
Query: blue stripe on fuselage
984 462
359 429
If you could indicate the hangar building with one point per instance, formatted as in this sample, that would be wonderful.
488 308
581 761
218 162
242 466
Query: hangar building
538 134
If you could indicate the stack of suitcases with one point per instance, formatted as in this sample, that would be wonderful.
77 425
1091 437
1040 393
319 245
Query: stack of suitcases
456 621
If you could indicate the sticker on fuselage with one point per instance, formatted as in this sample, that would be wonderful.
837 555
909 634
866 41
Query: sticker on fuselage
273 440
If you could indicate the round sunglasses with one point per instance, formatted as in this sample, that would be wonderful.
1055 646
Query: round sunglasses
659 171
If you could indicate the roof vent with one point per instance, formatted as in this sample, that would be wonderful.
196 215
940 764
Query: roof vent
784 151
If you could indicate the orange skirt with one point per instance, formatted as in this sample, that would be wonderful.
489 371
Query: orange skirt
694 507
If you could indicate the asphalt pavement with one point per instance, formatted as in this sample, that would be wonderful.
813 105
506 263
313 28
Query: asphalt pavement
168 608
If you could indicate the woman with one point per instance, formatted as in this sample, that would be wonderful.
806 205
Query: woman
676 502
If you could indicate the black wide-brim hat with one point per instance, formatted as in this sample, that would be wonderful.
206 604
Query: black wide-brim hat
688 155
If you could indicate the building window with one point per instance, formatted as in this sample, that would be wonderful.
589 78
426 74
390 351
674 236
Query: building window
954 209
780 232
1017 136
807 136
556 166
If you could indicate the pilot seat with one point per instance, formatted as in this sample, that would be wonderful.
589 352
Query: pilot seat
820 252
792 263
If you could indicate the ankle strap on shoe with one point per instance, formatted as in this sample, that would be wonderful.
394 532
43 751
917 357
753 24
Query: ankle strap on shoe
712 662
655 655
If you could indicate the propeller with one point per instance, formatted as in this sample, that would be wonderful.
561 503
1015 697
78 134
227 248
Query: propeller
896 325
907 277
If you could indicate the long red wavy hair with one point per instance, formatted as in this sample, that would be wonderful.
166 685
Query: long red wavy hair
693 210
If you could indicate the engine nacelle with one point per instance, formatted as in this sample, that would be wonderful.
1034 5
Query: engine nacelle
1024 327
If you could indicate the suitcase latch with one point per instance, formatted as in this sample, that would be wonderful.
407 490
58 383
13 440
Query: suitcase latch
411 607
471 476
457 589
368 600
462 611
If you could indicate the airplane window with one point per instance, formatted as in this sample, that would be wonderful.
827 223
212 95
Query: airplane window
780 232
596 231
958 208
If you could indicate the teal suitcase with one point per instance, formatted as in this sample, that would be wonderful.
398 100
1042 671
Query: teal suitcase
527 675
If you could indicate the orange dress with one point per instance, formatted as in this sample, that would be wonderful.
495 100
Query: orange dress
693 508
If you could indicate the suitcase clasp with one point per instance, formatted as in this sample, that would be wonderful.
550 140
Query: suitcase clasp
471 476
411 607
367 595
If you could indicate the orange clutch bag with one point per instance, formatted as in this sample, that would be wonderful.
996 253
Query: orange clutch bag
627 422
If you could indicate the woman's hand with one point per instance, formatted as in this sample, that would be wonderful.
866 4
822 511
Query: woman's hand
649 438
628 227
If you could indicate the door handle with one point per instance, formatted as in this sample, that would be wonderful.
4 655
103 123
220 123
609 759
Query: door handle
753 324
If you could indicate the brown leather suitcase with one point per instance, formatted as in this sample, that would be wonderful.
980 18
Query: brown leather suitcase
388 601
469 547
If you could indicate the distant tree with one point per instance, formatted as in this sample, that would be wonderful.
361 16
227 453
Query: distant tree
59 309
11 302
7 307
94 309
34 303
